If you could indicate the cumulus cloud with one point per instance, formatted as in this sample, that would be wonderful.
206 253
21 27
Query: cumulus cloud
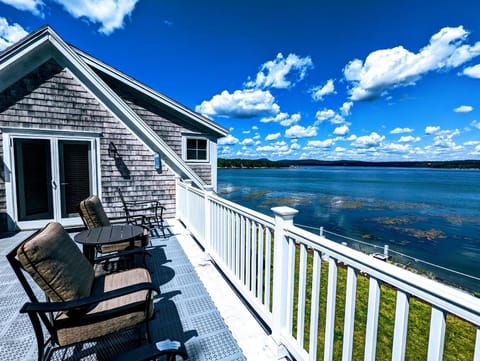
345 108
389 68
278 147
320 143
475 124
297 131
10 34
33 6
325 114
368 141
228 140
472 71
320 91
248 103
342 130
273 136
281 72
110 14
463 109
248 142
431 129
409 139
401 130
284 119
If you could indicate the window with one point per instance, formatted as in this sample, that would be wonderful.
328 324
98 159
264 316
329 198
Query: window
196 149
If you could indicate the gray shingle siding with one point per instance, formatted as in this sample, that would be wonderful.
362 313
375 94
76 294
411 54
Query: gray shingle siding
51 98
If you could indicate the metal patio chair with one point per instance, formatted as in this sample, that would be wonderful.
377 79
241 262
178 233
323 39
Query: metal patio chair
148 212
93 215
79 307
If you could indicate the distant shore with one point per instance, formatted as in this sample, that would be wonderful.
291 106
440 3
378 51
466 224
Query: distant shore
266 163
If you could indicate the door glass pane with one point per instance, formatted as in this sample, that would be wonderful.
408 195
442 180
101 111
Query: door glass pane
32 179
75 175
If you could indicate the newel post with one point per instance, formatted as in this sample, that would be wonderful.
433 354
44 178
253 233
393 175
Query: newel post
208 219
283 219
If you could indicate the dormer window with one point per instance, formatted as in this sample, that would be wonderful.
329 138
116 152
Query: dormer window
195 149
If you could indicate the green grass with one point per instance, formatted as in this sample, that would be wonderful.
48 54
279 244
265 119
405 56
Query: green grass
459 337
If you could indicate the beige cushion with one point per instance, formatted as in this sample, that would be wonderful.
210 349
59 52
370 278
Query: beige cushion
93 213
69 331
56 263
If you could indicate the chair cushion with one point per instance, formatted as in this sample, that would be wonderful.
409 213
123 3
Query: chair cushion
93 213
56 263
70 331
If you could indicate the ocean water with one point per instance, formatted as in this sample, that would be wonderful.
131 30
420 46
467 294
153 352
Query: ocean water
427 214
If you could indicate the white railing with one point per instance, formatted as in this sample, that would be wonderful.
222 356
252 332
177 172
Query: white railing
291 277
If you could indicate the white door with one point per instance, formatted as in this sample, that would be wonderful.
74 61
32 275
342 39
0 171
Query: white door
50 176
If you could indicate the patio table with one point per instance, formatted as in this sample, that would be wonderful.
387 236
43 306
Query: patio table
91 238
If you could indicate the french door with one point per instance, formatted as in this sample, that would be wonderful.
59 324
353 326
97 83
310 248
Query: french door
50 176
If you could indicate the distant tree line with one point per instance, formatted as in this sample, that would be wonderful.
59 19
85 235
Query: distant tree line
266 163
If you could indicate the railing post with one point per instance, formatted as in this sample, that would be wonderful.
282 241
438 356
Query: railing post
179 207
283 219
208 219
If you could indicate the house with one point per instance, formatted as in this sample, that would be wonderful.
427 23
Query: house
72 125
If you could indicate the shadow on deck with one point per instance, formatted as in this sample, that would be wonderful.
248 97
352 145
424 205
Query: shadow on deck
184 311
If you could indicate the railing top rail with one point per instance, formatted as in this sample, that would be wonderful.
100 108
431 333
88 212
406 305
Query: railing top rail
442 296
250 213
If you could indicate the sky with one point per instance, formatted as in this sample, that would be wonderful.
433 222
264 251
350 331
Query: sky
364 80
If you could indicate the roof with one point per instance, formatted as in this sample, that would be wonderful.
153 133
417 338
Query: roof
21 58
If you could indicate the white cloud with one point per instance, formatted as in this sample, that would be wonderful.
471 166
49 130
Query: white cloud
324 114
273 136
247 103
342 130
284 119
10 34
248 142
228 140
278 147
297 131
401 130
475 124
320 91
396 148
281 72
463 109
33 6
109 13
320 143
431 129
389 68
368 141
409 139
472 71
345 108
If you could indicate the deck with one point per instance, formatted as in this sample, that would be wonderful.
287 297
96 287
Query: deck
195 306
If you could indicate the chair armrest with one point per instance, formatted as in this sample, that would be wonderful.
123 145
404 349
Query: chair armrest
128 252
86 301
153 351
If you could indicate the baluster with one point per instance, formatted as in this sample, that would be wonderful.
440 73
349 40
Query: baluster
242 249
268 265
437 334
253 264
372 319
401 326
260 262
350 298
302 285
330 313
314 308
290 283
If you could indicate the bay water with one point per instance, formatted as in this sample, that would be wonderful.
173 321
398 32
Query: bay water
426 214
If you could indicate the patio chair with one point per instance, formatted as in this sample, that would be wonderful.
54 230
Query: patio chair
148 212
93 215
79 307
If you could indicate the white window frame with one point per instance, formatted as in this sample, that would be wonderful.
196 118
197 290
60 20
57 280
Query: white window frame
185 138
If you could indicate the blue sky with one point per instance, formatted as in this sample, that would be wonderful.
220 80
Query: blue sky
365 80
